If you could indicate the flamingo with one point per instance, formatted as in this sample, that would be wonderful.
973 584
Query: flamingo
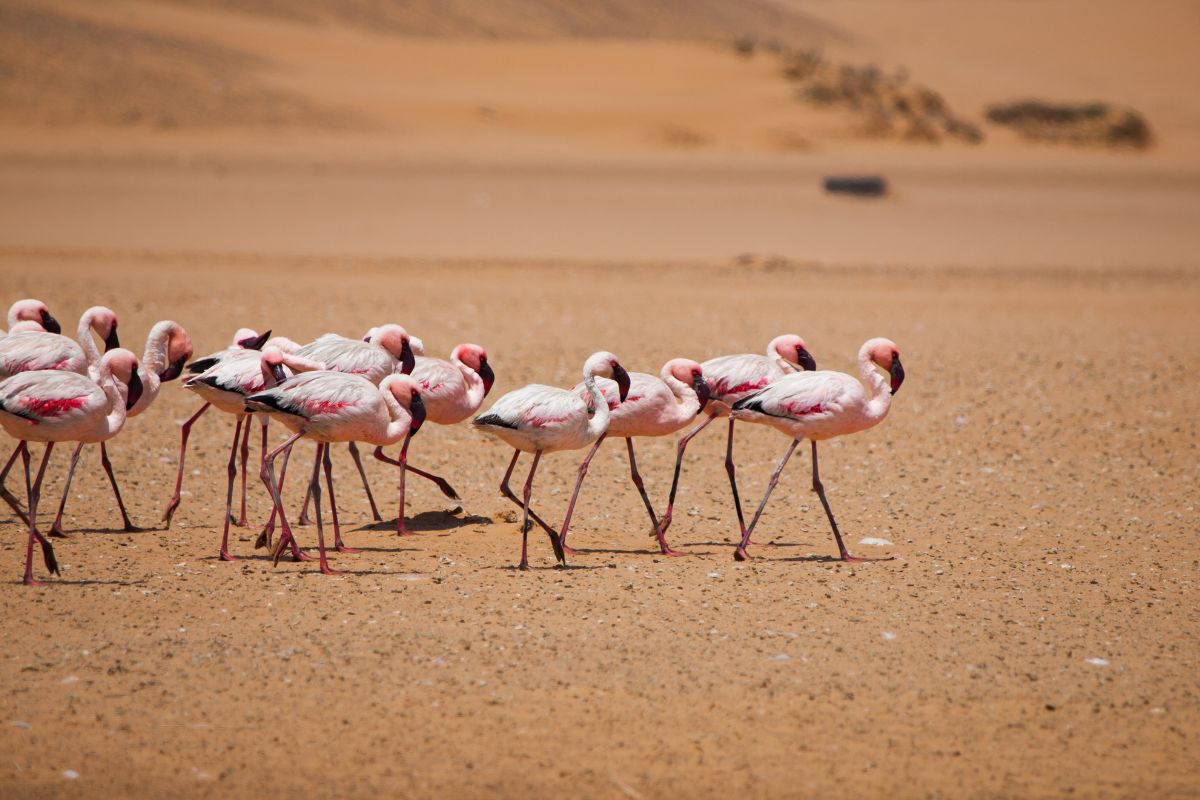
731 378
53 406
821 405
31 311
543 419
168 347
657 405
227 384
332 407
29 350
244 339
384 350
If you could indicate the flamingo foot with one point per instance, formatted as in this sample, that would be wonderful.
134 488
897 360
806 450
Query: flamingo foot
328 570
131 528
569 551
740 554
523 566
304 520
29 580
300 555
667 551
263 540
341 548
58 533
226 556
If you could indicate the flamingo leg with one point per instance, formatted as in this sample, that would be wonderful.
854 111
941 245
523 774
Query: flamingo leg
186 431
729 468
267 473
56 529
304 518
637 481
265 536
507 492
231 472
740 553
9 498
440 482
528 492
583 468
245 454
403 472
34 494
315 482
683 443
128 524
362 473
819 488
337 528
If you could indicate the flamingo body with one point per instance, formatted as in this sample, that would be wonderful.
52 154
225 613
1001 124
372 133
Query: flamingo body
453 390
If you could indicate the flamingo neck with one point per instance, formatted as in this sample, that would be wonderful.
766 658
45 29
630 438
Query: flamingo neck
689 401
399 417
84 335
475 389
880 400
598 423
155 356
116 393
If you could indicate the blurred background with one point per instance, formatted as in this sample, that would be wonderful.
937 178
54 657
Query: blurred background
1010 133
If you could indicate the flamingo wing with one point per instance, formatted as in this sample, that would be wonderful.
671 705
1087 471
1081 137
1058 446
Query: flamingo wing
44 395
733 377
438 380
350 356
804 397
314 394
535 407
29 351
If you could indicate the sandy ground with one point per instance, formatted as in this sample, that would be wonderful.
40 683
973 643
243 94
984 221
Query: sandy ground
477 175
1037 477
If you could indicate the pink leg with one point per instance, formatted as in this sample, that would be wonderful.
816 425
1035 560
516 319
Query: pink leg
583 468
441 483
637 481
820 490
9 498
231 474
264 537
316 493
683 443
507 492
129 526
183 440
337 528
524 565
241 523
34 494
729 468
56 528
362 473
740 553
267 473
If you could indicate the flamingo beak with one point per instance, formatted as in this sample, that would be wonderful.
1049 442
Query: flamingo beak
255 342
50 323
407 359
173 370
111 342
278 374
622 378
416 408
703 393
135 390
486 375
805 359
897 373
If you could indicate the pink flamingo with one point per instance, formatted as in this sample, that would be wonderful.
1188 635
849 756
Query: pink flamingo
544 419
53 406
384 350
226 385
168 347
332 407
731 378
30 350
31 311
244 339
821 405
657 405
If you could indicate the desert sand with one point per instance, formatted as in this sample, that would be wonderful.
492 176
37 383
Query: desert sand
548 184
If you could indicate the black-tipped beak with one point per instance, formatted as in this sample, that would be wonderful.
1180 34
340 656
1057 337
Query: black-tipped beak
255 342
407 359
50 323
416 408
805 360
703 393
278 374
897 372
173 370
111 342
135 390
622 379
367 338
486 375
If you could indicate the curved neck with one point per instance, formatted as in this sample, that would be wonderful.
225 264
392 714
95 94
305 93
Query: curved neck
116 393
598 424
84 335
880 400
689 401
155 356
399 418
475 389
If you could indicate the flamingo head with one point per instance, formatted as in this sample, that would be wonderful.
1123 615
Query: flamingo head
283 343
272 364
886 355
475 357
408 394
124 367
691 373
33 311
247 339
791 348
605 365
179 350
103 322
396 341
